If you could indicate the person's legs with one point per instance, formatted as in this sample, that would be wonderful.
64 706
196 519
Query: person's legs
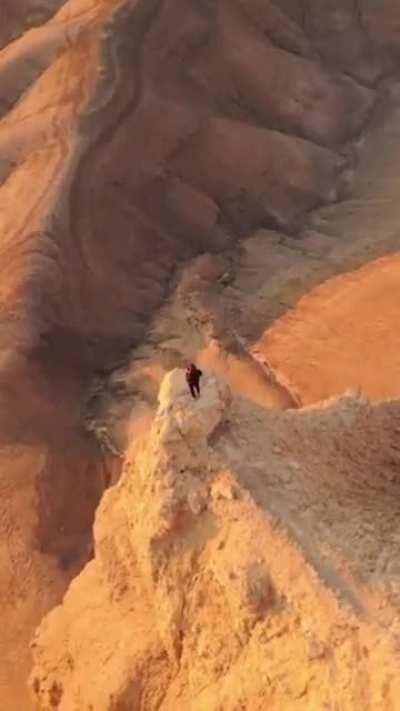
192 389
197 387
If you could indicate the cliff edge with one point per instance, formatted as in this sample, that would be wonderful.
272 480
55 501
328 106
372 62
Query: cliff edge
228 573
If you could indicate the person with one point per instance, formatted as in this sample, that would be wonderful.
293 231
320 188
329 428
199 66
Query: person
193 376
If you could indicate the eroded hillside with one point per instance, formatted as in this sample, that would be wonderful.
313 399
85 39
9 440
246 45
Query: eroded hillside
135 136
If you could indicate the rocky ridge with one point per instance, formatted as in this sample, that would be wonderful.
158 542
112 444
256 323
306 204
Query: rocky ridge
220 580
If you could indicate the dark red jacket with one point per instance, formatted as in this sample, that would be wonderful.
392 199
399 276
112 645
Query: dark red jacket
193 375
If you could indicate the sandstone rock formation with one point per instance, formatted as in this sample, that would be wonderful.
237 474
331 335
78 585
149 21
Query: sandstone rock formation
235 565
134 136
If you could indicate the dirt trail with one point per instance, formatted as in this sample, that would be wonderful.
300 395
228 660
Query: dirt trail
244 377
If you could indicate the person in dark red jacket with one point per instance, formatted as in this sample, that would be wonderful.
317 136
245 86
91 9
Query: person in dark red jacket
193 376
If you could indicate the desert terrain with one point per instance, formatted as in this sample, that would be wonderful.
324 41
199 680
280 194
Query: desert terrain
218 181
